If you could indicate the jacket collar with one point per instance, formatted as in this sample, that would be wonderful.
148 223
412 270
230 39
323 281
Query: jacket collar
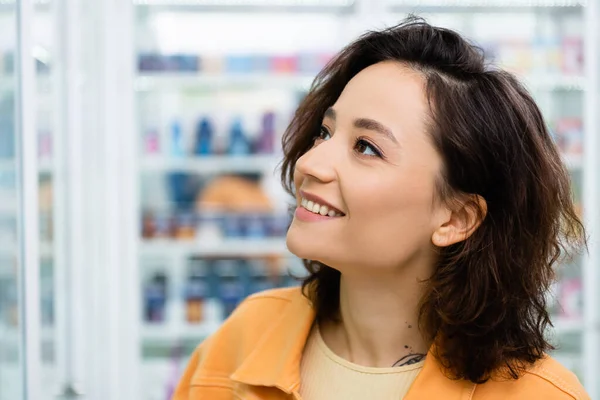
276 359
275 362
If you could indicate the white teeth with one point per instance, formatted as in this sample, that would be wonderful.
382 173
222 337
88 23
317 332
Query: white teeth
318 209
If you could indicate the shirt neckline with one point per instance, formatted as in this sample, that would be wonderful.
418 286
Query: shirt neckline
359 368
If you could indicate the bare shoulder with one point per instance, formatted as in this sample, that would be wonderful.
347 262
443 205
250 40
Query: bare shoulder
547 379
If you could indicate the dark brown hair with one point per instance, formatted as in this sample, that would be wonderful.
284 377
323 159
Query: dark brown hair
485 305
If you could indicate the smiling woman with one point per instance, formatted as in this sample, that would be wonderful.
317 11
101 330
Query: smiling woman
431 207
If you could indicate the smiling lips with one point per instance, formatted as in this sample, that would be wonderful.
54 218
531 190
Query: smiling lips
313 208
319 209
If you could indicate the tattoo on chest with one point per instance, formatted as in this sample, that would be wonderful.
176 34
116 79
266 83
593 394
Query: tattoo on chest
409 359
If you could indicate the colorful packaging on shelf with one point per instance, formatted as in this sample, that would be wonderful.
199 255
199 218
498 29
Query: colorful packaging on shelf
266 139
569 135
284 64
572 56
47 293
231 284
184 225
261 64
151 142
260 279
44 144
9 311
238 142
196 291
277 224
155 298
236 64
233 225
204 137
177 145
152 62
254 226
183 63
162 225
212 65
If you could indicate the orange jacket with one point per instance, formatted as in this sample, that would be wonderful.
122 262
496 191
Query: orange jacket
256 355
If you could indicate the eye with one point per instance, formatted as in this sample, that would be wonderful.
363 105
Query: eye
323 134
365 148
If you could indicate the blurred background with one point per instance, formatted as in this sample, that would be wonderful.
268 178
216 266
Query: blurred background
139 191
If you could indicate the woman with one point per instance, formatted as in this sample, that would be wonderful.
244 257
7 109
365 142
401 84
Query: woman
431 208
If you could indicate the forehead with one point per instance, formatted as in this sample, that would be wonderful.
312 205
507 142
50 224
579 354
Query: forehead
389 92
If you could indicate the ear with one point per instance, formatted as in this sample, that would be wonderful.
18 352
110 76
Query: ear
462 222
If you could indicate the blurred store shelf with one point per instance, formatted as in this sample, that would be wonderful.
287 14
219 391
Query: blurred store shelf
489 4
12 335
554 82
181 81
191 81
226 247
8 83
160 332
44 166
46 249
211 164
249 5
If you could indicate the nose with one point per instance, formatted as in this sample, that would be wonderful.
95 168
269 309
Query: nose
319 162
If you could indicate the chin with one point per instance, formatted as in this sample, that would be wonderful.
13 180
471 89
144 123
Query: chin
303 245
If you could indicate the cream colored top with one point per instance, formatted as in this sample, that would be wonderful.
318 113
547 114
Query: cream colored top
327 376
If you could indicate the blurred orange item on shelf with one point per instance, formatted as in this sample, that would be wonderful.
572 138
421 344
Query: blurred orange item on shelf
233 194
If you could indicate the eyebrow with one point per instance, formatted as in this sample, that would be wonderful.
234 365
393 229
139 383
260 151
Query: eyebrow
366 123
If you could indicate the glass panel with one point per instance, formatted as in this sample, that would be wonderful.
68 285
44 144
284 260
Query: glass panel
11 334
47 109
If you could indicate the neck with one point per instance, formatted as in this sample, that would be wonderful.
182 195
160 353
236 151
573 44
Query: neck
379 320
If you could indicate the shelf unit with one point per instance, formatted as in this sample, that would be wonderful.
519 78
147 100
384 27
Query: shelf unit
357 15
196 81
210 164
220 248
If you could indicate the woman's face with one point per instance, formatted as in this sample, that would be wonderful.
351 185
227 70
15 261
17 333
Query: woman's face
375 165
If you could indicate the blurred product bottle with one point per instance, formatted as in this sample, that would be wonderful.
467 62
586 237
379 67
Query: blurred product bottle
260 279
204 137
184 226
47 293
8 302
255 227
155 298
238 142
151 142
231 285
148 224
196 291
177 146
266 139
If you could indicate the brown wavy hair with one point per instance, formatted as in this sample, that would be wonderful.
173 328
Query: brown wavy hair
485 304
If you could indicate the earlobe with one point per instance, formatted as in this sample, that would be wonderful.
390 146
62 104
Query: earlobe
462 222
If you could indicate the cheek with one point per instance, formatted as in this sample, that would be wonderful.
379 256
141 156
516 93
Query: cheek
390 221
390 196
